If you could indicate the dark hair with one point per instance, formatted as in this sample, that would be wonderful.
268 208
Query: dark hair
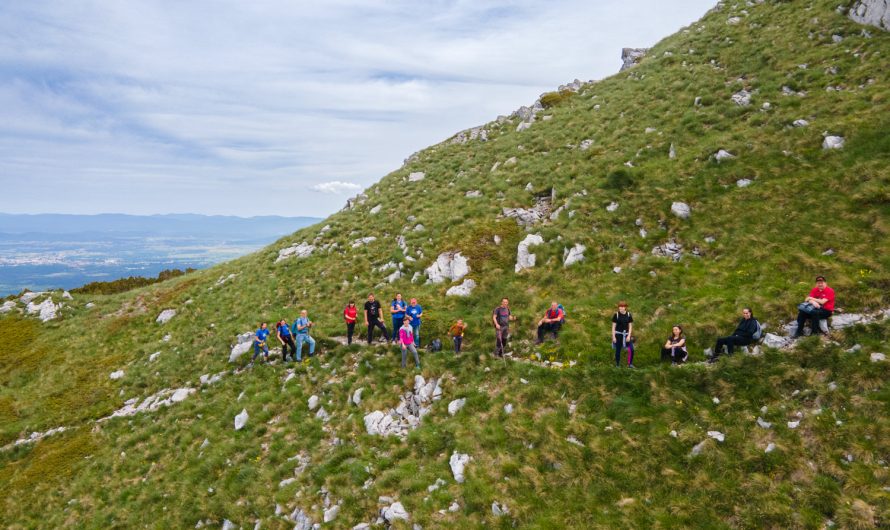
682 335
352 302
622 303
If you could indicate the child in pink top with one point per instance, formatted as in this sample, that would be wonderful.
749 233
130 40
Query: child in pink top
406 341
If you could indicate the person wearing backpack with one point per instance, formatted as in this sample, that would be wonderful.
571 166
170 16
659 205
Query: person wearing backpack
622 334
501 316
301 330
745 333
259 343
350 312
817 306
552 322
674 349
286 340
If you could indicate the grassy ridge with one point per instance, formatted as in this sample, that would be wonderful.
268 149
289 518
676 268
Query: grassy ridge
769 241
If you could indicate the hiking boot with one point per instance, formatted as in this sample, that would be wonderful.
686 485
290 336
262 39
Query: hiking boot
631 366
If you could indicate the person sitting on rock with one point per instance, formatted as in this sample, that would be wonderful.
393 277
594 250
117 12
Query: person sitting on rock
406 341
372 318
350 312
259 343
286 340
301 330
819 305
457 334
552 322
742 336
674 350
622 334
398 308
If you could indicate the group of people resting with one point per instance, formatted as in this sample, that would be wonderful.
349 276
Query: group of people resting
408 317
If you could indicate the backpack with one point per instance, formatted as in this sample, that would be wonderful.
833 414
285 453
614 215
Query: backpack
435 345
758 330
559 306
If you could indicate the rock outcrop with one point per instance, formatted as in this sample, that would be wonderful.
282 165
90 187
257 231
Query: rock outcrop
631 57
451 266
406 417
524 258
300 250
872 12
464 289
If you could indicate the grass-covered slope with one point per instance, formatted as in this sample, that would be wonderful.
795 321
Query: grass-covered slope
759 245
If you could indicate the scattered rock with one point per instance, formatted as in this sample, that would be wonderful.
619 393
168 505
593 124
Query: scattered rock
28 297
357 396
671 249
508 408
313 402
241 420
697 448
244 343
365 240
117 374
845 320
46 310
456 405
872 12
476 133
717 435
163 398
631 57
793 424
529 216
672 152
300 250
585 144
499 510
412 408
375 210
877 357
744 183
416 176
524 258
7 306
612 206
395 512
833 142
732 21
742 98
154 356
165 316
763 423
681 210
331 513
800 123
473 194
771 340
451 266
573 255
722 155
770 447
302 520
229 525
458 462
464 289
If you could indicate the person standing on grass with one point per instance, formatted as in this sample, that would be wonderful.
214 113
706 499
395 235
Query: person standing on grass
819 305
372 318
742 336
674 349
286 339
406 341
259 343
552 321
622 334
301 330
398 308
457 334
414 314
501 316
350 312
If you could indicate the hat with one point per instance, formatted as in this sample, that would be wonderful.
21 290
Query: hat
820 278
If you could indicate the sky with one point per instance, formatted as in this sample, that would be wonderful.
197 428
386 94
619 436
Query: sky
273 107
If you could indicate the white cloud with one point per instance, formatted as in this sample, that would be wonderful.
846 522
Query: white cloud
336 187
126 106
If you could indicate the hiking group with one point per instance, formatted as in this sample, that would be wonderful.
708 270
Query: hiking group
407 318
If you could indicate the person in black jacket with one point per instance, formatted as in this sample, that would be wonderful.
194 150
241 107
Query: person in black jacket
742 336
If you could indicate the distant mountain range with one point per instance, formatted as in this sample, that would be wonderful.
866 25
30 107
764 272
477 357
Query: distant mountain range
157 225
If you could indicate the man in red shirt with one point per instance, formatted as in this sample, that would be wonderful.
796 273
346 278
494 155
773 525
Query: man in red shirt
817 306
551 322
349 314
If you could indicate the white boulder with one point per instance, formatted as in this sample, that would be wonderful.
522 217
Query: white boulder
464 289
458 462
742 98
45 310
313 402
451 266
573 255
833 142
722 155
116 374
845 320
416 176
456 405
7 306
877 357
241 420
395 512
681 210
524 258
300 250
245 341
165 316
375 210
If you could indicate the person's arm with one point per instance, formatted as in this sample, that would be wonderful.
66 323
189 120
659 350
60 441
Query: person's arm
494 318
279 336
365 312
667 343
613 332
630 330
681 343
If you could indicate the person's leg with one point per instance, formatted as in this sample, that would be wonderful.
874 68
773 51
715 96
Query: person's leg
667 354
416 329
815 317
396 325
630 353
370 333
734 341
382 326
801 320
293 348
256 352
300 348
350 329
311 342
541 332
499 342
404 355
617 345
554 328
456 341
416 357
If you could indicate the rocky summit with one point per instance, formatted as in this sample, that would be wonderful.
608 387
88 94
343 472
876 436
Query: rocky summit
723 168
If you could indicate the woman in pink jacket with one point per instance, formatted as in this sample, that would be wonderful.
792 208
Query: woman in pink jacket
406 341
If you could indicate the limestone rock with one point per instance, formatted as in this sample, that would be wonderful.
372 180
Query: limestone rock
364 241
313 402
154 356
456 405
833 142
845 320
165 316
499 510
28 297
772 340
742 98
800 123
744 183
671 249
873 12
245 341
451 266
770 447
357 396
473 194
612 206
302 520
722 155
116 374
163 398
229 525
672 152
45 310
476 133
67 296
300 250
573 255
395 512
717 435
331 513
524 258
631 57
416 176
585 144
763 424
464 289
877 357
681 210
7 306
529 216
458 462
241 419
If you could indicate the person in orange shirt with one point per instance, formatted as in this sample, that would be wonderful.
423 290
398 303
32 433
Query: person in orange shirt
457 334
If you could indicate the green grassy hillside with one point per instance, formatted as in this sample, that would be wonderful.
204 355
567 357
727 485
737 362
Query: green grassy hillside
586 445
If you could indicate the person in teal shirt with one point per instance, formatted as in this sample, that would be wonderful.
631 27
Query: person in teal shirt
415 312
397 308
301 332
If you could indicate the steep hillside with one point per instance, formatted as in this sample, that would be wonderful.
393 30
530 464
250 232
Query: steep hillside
555 436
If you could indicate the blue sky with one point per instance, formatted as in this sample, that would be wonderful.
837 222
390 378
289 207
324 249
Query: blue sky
274 107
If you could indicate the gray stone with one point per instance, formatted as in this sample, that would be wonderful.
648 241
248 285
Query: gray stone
741 98
732 21
357 396
499 510
302 520
312 402
833 142
631 57
717 435
573 255
241 419
524 258
458 462
464 289
476 133
529 216
28 297
770 447
67 296
45 310
872 12
473 194
681 210
375 210
845 320
395 512
451 266
417 176
117 374
456 405
800 123
744 183
300 250
331 513
698 448
364 241
612 206
671 249
877 357
245 341
772 340
7 306
508 408
229 525
672 152
165 316
586 144
722 155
